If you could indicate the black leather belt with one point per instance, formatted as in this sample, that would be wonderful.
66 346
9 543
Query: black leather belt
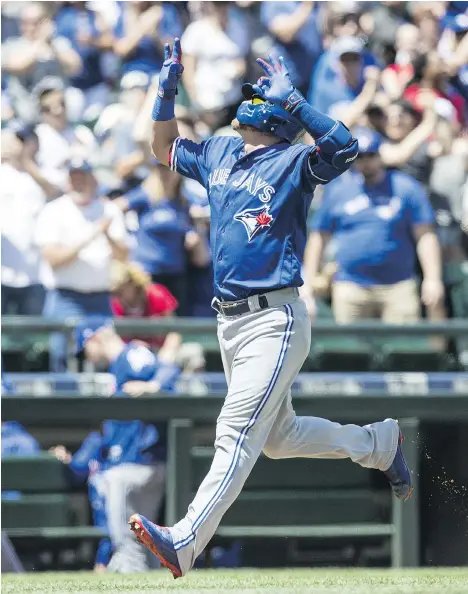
238 308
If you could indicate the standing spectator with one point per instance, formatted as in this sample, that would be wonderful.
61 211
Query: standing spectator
398 74
410 147
382 24
430 82
58 140
79 234
165 234
141 32
37 53
295 29
88 93
453 48
375 216
215 49
339 77
22 199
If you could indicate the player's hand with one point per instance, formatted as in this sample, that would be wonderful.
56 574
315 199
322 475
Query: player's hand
276 87
171 72
432 292
61 453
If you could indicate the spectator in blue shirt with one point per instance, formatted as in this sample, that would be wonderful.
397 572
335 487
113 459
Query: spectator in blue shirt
378 219
339 76
141 31
88 93
165 234
294 27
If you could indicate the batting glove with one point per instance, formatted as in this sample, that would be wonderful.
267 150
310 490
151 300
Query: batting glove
277 87
171 72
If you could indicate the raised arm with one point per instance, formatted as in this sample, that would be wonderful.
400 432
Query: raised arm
335 147
165 129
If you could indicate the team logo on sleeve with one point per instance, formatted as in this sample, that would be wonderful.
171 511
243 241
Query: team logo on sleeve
254 219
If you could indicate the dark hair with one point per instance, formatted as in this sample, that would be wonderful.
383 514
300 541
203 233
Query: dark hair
409 108
419 66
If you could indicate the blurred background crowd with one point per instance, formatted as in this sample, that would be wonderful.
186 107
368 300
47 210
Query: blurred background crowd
88 214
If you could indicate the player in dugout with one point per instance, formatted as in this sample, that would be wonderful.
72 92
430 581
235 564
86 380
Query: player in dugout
260 188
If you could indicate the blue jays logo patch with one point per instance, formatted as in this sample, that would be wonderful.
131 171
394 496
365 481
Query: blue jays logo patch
254 219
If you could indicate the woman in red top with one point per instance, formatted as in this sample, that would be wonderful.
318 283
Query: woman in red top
133 295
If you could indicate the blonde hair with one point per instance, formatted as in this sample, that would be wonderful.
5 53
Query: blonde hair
124 273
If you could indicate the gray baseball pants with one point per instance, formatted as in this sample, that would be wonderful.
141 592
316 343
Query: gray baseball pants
129 488
262 353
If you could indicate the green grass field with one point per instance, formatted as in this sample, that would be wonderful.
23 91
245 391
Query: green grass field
420 581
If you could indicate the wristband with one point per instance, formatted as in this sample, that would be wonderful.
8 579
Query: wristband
163 109
292 101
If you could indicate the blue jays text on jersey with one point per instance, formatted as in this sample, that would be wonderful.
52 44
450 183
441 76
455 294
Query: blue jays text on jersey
259 203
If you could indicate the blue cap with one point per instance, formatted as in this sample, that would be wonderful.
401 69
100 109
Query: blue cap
87 328
369 140
79 164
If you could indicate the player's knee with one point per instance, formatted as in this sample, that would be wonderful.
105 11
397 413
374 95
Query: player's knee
273 450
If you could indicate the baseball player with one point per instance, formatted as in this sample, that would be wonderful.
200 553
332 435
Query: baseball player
89 463
131 455
260 187
136 369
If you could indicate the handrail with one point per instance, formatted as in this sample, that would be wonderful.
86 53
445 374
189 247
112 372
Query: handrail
150 327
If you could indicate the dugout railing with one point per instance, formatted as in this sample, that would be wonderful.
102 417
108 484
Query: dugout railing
184 414
364 346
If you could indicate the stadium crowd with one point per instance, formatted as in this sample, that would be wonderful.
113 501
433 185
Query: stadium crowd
82 195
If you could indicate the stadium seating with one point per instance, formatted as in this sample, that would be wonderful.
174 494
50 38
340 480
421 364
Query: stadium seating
41 509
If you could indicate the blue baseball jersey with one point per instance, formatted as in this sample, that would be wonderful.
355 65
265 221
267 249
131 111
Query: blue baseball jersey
16 441
259 203
160 239
382 216
121 442
137 363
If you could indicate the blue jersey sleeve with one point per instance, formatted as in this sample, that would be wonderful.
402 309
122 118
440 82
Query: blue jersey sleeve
420 209
189 158
89 450
196 160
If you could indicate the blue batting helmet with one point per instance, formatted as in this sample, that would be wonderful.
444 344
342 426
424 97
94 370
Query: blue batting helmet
266 116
